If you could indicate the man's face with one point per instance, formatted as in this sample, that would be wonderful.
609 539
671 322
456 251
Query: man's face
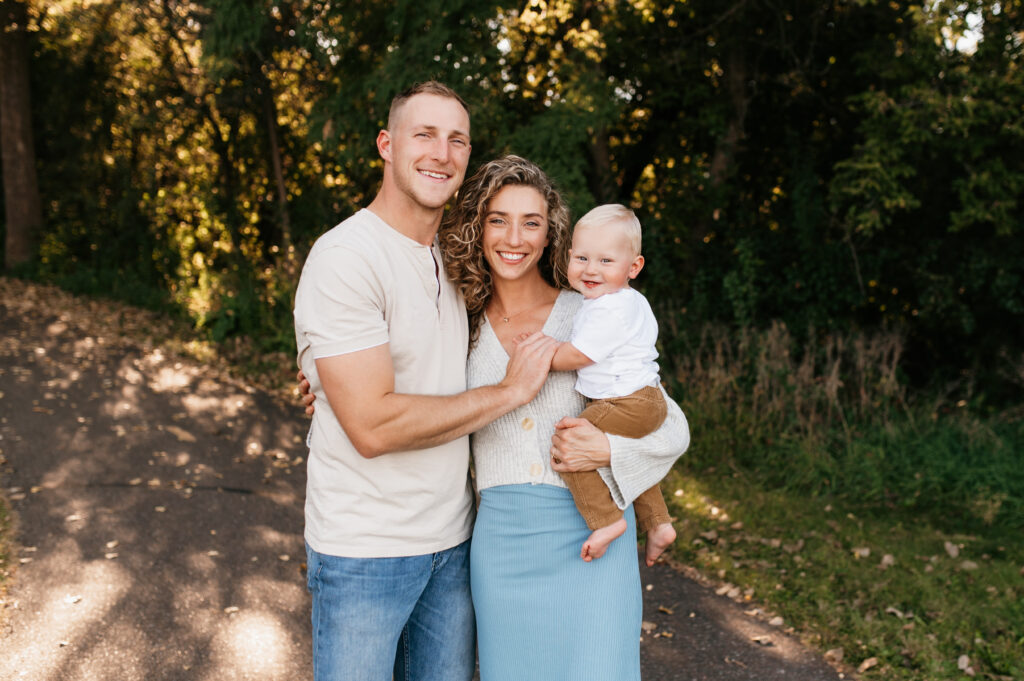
428 148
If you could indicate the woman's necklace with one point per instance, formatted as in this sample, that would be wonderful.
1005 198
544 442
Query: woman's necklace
505 317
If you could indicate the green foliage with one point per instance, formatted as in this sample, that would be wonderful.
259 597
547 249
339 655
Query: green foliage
829 416
829 164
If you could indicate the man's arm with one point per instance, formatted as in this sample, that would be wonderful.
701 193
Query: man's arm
360 388
568 358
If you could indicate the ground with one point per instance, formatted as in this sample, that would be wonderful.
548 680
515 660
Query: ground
158 510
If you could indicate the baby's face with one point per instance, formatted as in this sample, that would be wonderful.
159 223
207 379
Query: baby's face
601 260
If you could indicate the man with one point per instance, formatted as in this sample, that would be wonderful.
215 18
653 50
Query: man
382 336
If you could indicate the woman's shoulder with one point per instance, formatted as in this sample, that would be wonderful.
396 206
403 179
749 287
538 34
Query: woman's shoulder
568 301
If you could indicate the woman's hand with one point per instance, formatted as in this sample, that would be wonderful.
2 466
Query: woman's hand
579 445
305 394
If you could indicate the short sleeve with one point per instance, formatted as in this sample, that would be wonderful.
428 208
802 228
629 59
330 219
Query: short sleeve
600 328
339 303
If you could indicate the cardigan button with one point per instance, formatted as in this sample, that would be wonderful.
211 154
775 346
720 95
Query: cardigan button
527 423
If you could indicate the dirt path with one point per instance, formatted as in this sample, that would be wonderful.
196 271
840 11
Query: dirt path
159 513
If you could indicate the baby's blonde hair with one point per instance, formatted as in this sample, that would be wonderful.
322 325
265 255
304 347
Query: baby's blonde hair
616 213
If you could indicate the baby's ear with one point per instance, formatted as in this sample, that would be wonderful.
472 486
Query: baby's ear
638 264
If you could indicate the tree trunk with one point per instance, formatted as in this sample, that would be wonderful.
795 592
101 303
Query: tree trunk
21 189
725 150
276 162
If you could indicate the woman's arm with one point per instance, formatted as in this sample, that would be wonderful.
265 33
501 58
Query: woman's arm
636 464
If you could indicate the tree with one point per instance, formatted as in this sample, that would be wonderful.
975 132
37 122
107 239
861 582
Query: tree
21 190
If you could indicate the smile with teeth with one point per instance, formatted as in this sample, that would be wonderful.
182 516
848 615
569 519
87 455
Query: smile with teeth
435 175
514 257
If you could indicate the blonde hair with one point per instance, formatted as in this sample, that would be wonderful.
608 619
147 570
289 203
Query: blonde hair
461 232
429 87
614 213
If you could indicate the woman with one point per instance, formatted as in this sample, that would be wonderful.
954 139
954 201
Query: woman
542 613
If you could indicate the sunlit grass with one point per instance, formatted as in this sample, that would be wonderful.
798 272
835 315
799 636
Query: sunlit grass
875 585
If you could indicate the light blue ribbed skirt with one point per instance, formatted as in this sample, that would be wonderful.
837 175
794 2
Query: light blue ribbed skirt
542 614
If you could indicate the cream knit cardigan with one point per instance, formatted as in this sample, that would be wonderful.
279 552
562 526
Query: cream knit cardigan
515 449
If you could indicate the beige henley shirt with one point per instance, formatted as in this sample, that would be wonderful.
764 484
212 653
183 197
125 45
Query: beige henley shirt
363 285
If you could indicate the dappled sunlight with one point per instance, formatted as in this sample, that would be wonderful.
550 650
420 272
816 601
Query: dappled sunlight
254 645
171 379
203 561
767 639
222 406
66 613
288 595
268 537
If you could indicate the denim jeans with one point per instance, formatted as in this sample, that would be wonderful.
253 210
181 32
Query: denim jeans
410 616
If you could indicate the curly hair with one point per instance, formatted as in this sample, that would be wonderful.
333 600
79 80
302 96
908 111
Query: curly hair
461 233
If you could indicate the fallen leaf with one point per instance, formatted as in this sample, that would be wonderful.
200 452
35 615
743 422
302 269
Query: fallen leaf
793 548
762 640
180 433
72 599
952 549
834 655
887 561
159 509
867 664
667 611
776 621
231 609
862 552
648 627
893 611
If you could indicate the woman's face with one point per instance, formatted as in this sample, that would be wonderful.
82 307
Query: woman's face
515 231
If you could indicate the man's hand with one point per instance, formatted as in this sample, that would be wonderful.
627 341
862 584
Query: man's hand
305 394
579 445
529 366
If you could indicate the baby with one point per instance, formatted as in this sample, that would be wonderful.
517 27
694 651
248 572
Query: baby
612 351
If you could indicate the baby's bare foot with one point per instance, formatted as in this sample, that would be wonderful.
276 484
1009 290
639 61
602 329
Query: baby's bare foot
599 540
659 539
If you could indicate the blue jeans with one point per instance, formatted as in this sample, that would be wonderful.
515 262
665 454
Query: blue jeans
410 616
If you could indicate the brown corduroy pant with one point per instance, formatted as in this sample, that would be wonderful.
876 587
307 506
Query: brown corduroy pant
634 415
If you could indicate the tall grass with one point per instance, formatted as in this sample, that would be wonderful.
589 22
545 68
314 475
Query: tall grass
829 414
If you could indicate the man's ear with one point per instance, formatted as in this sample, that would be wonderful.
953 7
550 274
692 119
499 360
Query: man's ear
384 145
634 269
